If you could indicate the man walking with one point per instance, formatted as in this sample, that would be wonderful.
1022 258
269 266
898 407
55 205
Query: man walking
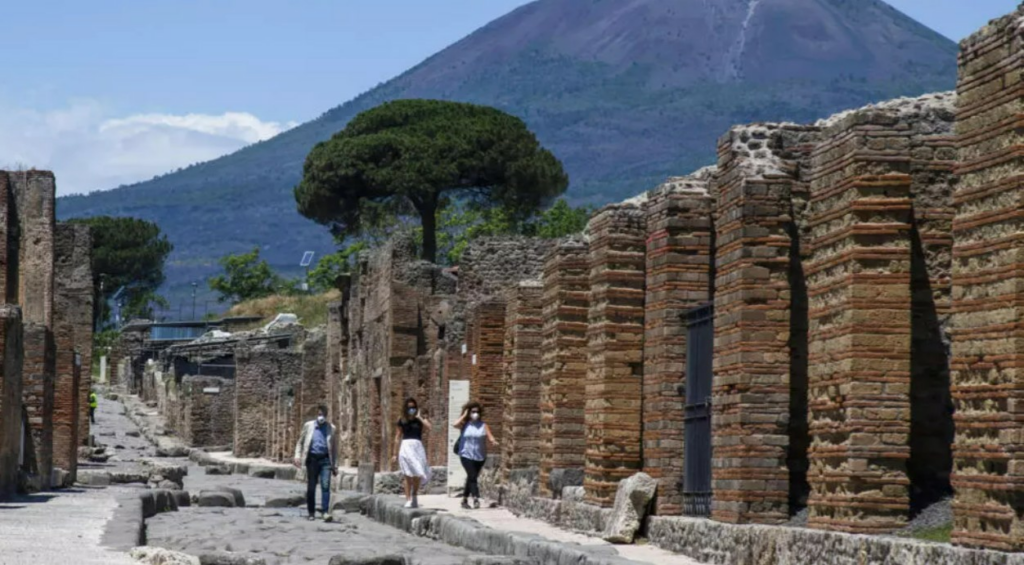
316 450
92 406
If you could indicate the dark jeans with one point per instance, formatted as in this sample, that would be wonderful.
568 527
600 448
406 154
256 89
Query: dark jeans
318 468
92 415
473 469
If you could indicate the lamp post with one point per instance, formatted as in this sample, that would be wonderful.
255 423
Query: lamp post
194 284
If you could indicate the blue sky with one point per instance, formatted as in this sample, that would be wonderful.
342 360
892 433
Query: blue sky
112 91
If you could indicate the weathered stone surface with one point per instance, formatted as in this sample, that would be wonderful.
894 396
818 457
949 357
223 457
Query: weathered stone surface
160 556
561 478
176 451
218 470
289 502
262 472
393 559
228 558
208 498
348 501
631 502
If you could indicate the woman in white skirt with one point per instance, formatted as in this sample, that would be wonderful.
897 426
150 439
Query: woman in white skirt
411 457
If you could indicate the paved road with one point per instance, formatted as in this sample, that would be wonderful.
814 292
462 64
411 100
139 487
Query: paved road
66 526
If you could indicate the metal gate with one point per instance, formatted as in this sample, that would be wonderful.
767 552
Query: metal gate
697 417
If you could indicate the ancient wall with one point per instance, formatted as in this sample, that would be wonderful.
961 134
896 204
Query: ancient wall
615 350
565 308
208 411
265 381
760 324
862 318
314 378
987 352
520 445
486 348
10 398
73 296
34 194
680 239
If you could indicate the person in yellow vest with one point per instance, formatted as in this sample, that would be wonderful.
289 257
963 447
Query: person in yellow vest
92 406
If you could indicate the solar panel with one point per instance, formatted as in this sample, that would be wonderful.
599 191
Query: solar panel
307 259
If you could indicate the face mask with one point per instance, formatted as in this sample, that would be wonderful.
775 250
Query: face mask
320 419
474 415
412 411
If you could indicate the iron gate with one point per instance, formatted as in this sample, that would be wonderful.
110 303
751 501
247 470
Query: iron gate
697 417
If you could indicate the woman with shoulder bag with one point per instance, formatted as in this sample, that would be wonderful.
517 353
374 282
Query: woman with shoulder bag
472 449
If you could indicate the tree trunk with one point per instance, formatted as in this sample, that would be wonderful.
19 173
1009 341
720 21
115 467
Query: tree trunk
428 219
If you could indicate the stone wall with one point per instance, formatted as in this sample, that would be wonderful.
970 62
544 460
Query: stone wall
266 381
987 351
522 359
73 342
759 362
566 305
680 240
10 398
615 350
487 345
208 411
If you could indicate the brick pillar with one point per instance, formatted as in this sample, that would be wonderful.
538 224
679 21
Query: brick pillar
615 350
679 248
566 303
263 379
485 382
757 340
10 398
988 303
72 337
860 325
333 365
35 193
523 326
314 377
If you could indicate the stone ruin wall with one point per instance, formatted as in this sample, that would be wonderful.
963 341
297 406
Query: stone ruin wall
46 288
521 359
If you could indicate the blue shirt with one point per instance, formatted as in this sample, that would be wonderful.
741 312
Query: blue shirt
474 441
319 444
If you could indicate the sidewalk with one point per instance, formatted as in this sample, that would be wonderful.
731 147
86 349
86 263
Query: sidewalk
503 519
66 526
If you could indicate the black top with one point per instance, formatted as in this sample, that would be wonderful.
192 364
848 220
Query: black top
411 429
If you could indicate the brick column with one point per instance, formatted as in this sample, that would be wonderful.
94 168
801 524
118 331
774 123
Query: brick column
35 194
566 300
262 381
10 398
72 335
523 324
314 378
615 350
988 295
679 248
758 195
485 382
860 325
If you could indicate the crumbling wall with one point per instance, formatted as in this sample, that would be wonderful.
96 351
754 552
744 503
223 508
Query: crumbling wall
615 350
265 381
759 468
208 411
566 304
10 398
987 352
522 358
680 240
73 342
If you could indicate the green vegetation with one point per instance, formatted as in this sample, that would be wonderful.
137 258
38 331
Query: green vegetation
324 276
412 157
246 277
940 534
129 253
310 309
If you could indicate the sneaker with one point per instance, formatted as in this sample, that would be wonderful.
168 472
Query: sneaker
415 503
465 504
409 504
476 503
311 518
328 518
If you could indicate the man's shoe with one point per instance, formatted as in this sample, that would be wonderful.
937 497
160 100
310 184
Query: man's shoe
465 504
476 503
311 518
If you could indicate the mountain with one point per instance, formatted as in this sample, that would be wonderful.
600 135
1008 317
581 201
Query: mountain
625 92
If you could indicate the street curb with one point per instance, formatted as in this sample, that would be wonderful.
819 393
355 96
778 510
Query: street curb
474 536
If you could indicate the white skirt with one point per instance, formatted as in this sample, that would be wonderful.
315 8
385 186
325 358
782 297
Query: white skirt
412 460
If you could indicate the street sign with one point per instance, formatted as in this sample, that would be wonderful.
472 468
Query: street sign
307 259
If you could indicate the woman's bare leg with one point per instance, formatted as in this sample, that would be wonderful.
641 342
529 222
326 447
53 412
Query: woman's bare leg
409 492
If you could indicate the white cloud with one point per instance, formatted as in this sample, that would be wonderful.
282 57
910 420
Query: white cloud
88 149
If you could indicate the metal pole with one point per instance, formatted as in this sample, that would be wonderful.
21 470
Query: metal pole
193 301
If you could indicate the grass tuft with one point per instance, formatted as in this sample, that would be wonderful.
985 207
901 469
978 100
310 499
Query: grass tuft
311 309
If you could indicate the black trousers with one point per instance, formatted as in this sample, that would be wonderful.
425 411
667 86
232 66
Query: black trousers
92 414
473 469
318 470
